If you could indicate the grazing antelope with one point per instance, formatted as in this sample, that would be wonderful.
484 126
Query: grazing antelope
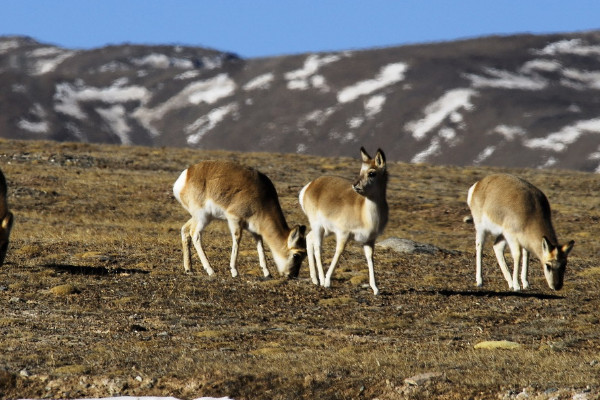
6 220
247 199
518 214
336 205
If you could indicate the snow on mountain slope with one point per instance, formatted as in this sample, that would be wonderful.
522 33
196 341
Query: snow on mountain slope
521 101
389 75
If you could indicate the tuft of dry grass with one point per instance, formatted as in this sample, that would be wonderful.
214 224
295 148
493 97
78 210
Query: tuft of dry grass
102 220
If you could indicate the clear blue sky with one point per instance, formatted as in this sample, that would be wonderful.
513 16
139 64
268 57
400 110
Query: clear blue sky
261 28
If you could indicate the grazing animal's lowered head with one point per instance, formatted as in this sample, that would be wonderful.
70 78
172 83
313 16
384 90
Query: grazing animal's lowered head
6 220
515 212
247 200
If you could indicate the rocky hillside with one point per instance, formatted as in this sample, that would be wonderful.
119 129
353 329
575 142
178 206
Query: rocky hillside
518 101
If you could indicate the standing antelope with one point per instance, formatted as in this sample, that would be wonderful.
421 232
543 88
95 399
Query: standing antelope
6 220
336 205
247 199
518 214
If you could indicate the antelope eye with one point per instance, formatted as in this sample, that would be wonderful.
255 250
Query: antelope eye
548 267
372 174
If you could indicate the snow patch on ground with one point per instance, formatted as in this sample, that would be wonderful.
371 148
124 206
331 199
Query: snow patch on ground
260 82
48 58
112 66
484 155
434 148
342 138
388 75
68 97
6 45
549 163
211 90
509 132
374 105
582 79
40 126
540 64
187 75
318 116
204 124
306 77
116 119
162 61
569 46
355 122
445 107
595 156
207 91
33 127
507 80
559 141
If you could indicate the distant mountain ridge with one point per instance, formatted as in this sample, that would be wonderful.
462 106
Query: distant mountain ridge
514 101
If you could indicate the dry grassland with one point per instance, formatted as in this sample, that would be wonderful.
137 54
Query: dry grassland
95 301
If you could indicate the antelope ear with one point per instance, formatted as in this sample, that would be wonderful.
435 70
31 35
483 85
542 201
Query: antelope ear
302 229
568 247
364 155
296 235
7 222
547 247
380 159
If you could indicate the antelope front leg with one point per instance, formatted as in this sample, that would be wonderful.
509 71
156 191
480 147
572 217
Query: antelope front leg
516 255
524 269
369 254
261 256
236 236
499 250
479 242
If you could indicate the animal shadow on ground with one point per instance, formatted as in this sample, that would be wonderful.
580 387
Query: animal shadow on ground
86 270
491 293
